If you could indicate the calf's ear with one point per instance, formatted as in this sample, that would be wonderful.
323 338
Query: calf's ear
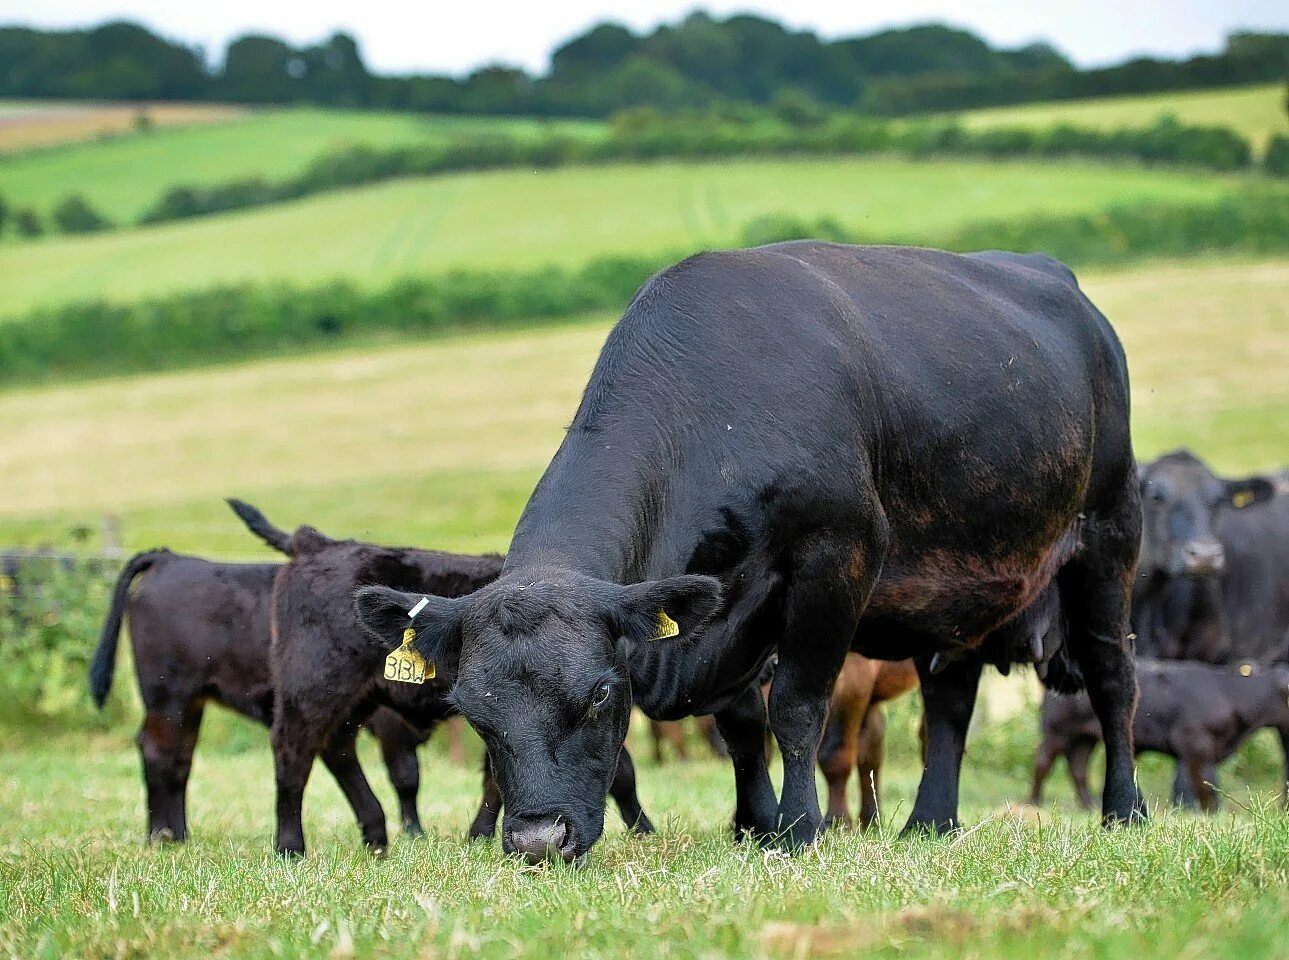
384 614
1249 491
658 609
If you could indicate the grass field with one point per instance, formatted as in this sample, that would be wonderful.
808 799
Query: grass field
123 176
518 219
440 443
76 881
25 124
1257 112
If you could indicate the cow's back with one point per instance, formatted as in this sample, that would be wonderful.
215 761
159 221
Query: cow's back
203 626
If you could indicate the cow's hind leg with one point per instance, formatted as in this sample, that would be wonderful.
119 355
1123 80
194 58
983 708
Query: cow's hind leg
1094 589
1077 758
1044 757
827 591
166 742
948 699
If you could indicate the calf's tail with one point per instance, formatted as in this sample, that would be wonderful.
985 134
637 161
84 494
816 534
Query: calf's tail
103 666
259 525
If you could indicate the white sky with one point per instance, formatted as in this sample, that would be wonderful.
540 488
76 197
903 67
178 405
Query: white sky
434 36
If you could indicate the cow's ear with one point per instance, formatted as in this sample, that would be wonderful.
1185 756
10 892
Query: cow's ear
1249 491
660 609
385 614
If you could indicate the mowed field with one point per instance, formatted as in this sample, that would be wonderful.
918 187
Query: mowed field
440 443
123 176
28 124
520 219
1257 111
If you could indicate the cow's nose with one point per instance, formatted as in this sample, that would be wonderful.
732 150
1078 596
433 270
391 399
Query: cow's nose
540 840
1204 556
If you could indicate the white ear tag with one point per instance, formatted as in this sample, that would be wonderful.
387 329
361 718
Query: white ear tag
420 605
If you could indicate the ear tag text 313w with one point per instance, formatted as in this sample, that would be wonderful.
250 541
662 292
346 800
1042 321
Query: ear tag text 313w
667 627
405 665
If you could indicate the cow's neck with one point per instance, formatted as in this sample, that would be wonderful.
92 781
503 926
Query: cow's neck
600 510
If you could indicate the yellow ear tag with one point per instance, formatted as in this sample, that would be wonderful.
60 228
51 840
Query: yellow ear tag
1246 669
405 665
1242 499
667 627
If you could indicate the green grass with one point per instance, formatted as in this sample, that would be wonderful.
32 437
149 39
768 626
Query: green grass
125 175
1257 112
76 881
521 219
439 443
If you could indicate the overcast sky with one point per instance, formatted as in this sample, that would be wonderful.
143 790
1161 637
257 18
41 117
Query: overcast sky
439 37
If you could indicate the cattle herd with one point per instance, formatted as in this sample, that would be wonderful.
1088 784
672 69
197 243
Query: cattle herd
803 479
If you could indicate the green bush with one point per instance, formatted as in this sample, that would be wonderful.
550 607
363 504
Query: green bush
75 214
1276 161
27 220
51 610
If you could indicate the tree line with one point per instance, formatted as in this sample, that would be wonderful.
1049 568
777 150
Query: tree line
698 62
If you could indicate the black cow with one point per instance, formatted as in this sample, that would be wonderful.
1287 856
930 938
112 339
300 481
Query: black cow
812 448
200 634
1213 581
1195 712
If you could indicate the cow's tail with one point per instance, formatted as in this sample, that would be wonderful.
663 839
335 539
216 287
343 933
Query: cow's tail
103 666
259 525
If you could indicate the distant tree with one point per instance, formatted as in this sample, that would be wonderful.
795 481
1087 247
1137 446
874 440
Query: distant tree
797 108
4 214
75 214
1276 161
28 222
257 69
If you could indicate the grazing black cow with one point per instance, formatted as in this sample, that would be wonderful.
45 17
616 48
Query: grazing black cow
327 676
1197 713
200 634
812 448
1213 583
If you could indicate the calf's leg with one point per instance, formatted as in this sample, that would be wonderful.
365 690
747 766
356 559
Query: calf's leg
341 758
398 746
872 750
166 742
1044 757
1077 758
623 791
485 820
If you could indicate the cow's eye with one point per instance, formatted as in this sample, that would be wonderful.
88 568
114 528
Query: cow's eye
602 697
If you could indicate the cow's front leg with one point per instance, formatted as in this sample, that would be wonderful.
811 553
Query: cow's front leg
821 611
742 726
948 699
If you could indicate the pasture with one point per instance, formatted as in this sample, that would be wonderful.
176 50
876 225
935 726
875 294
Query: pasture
1257 112
124 175
440 443
516 219
75 879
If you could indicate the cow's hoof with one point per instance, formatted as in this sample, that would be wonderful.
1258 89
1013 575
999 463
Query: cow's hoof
163 836
643 825
413 830
794 838
931 828
290 853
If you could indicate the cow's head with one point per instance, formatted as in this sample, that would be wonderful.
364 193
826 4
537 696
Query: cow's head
1180 501
541 670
